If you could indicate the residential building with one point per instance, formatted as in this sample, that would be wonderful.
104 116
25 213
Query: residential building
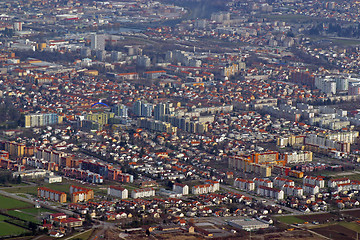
117 191
52 195
181 188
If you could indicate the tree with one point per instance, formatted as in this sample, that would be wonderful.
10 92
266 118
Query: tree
18 180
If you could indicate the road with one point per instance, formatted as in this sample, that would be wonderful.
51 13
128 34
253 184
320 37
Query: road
268 201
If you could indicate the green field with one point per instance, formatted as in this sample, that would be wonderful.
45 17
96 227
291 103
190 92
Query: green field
2 218
290 219
37 210
10 203
23 216
84 236
7 229
351 225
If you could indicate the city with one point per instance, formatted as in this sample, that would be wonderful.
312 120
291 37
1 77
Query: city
179 119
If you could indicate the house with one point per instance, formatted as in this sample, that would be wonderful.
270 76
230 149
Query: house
56 234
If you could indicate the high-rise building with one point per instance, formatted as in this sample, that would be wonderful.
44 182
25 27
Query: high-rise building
97 42
42 119
142 109
163 109
146 110
120 110
17 26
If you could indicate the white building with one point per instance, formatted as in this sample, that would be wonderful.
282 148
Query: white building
263 182
293 191
181 188
142 193
97 42
311 189
210 186
334 182
117 191
53 179
318 181
279 182
270 192
243 184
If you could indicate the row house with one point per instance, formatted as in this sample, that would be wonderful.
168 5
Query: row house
205 188
353 185
311 189
270 192
279 182
215 185
83 175
244 184
333 182
142 193
292 190
40 163
117 191
181 188
318 181
52 195
263 182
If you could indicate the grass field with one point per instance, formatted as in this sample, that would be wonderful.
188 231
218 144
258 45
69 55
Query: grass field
23 216
84 236
7 229
37 210
351 225
290 219
10 203
2 218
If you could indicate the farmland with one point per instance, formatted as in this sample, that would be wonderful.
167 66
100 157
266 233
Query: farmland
7 229
336 232
23 216
290 219
9 203
321 218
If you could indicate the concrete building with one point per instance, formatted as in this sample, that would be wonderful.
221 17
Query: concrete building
210 186
53 179
97 42
270 192
332 183
117 191
52 195
311 189
263 182
279 182
81 194
244 184
248 224
318 181
143 193
181 188
292 190
43 119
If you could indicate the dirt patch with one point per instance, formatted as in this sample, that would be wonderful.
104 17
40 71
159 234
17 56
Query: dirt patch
336 232
321 218
355 213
